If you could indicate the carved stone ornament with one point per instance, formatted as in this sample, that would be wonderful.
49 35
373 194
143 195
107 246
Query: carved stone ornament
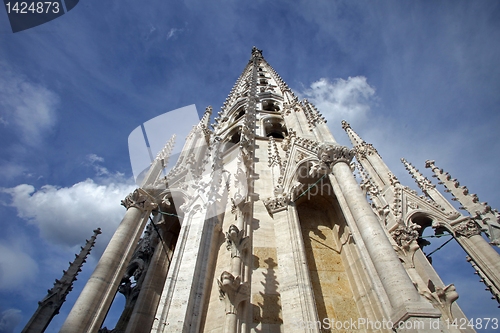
467 228
406 239
235 241
279 202
232 291
404 235
139 199
442 299
365 149
329 155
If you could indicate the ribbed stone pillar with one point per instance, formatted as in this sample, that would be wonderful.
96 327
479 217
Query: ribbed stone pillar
93 304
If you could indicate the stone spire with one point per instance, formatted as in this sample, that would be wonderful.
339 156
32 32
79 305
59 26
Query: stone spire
487 218
428 188
159 163
205 120
370 159
50 305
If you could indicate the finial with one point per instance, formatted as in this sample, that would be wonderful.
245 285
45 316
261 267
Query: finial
256 52
345 125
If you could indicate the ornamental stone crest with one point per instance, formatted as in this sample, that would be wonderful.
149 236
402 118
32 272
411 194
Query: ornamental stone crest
235 241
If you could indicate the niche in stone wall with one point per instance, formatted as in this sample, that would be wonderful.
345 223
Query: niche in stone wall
323 227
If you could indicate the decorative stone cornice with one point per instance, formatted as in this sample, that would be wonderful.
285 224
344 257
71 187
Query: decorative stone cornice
235 241
467 229
232 291
141 200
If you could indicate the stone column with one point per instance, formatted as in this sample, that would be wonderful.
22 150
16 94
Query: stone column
484 256
92 306
403 297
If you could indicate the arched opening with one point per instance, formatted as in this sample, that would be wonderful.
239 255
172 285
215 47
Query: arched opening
270 105
241 113
232 139
275 127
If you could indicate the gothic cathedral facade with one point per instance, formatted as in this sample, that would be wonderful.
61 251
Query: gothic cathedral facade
262 226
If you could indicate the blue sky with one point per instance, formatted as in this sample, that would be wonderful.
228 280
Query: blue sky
418 79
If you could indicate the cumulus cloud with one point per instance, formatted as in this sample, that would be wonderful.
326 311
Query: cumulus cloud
17 268
64 215
28 106
9 319
341 99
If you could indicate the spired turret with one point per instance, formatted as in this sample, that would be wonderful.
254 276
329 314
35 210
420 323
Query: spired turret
56 296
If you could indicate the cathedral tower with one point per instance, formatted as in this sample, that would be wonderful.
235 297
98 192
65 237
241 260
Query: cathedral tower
261 226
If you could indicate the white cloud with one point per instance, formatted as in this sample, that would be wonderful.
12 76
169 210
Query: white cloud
173 32
17 268
341 99
66 215
95 162
28 106
9 319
